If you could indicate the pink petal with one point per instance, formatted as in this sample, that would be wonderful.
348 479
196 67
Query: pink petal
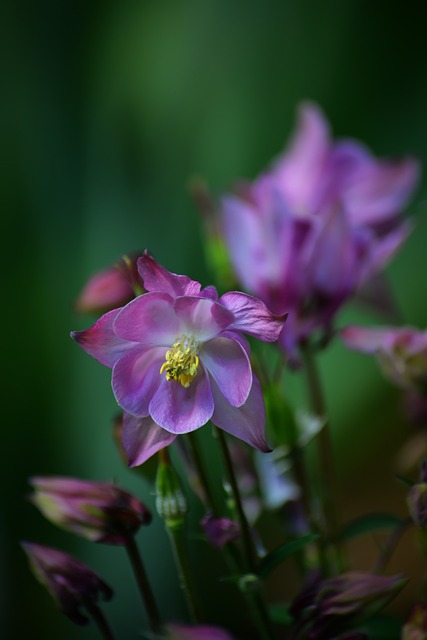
180 410
157 278
149 320
228 364
246 422
202 317
380 190
367 340
299 169
136 378
383 250
252 316
100 341
142 438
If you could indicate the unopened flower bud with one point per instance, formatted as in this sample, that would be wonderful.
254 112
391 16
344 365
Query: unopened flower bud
335 604
111 288
98 511
171 503
72 585
220 531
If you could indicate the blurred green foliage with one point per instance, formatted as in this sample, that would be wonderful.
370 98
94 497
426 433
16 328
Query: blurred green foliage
108 110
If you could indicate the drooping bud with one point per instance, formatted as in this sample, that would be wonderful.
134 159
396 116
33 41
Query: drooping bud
98 511
220 531
171 503
74 587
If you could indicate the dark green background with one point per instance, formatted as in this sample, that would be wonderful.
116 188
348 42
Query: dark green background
107 109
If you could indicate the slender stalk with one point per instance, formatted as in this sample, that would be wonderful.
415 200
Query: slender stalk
176 535
144 586
326 461
258 609
100 621
390 545
248 546
200 467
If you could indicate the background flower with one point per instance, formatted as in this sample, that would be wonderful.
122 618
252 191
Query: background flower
317 225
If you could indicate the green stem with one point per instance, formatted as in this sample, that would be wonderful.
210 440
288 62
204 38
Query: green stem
203 478
248 547
258 609
176 535
100 621
144 585
390 545
327 472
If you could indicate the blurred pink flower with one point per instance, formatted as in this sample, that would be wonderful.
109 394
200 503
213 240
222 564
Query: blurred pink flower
401 352
315 227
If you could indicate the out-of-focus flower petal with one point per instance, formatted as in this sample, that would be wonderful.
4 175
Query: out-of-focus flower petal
136 377
246 422
229 365
148 320
367 340
377 190
179 409
252 316
142 438
100 341
201 317
299 169
157 278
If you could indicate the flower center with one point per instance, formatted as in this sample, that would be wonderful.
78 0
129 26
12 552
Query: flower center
181 361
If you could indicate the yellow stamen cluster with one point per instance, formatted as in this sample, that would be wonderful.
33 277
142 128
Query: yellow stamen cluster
181 361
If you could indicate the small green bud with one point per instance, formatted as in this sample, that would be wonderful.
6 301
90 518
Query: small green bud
248 583
171 503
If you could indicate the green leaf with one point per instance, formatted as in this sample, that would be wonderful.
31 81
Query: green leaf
369 523
279 614
275 557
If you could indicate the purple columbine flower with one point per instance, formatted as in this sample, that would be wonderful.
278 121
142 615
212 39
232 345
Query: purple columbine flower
415 627
98 511
179 359
73 586
316 226
401 352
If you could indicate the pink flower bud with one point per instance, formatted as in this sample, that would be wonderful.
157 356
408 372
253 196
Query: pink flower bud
98 511
72 585
111 288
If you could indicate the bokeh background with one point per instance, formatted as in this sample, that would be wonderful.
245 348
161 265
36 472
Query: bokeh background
108 109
